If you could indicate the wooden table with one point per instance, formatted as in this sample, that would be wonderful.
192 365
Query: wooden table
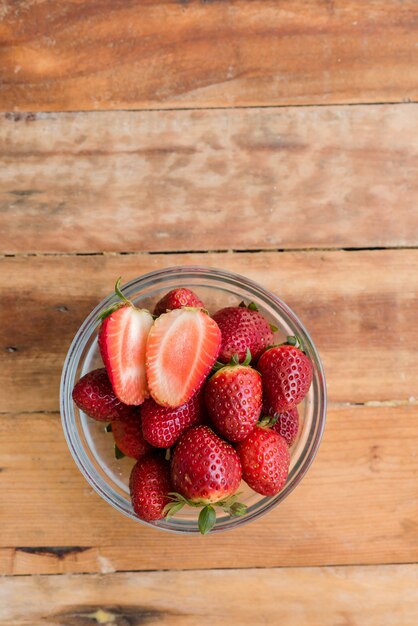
274 139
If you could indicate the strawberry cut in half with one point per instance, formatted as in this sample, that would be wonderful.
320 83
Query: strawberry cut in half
181 349
122 341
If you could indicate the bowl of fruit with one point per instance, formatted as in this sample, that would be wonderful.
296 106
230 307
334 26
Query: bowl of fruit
193 399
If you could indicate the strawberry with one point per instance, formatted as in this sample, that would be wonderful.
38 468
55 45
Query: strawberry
94 395
242 328
182 346
122 339
265 459
149 485
233 397
162 425
287 425
129 440
287 374
176 299
205 470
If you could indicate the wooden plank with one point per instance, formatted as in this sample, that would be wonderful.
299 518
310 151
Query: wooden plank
370 596
148 181
77 55
356 505
360 307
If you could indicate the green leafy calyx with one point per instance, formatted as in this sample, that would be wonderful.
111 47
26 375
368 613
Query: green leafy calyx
118 453
291 340
251 306
234 361
207 519
268 421
207 515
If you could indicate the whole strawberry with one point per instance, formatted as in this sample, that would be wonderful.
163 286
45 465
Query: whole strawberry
233 398
129 440
149 485
265 459
243 328
162 426
286 373
205 470
287 425
94 395
176 299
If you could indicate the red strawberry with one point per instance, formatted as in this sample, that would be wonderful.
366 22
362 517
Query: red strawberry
265 459
176 299
205 470
162 425
233 397
128 436
94 395
287 425
286 373
122 340
181 349
149 486
242 328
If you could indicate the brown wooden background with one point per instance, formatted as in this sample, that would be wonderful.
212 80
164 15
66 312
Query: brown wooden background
275 139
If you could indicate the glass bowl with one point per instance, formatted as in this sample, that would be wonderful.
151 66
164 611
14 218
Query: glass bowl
92 447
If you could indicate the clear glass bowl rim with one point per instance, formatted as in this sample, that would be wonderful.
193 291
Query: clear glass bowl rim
88 328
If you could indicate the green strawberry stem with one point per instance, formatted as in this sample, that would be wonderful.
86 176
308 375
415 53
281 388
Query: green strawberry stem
116 305
207 515
233 361
252 305
268 421
119 293
118 453
291 340
294 340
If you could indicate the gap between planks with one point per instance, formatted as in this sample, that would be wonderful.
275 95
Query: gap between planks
17 115
219 251
346 566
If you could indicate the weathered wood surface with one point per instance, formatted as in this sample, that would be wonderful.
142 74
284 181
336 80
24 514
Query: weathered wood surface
209 180
356 505
353 596
360 307
76 55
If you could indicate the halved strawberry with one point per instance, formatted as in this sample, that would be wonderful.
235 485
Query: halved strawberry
181 349
122 340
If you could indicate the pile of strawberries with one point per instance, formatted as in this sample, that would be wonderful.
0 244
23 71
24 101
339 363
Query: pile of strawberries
201 402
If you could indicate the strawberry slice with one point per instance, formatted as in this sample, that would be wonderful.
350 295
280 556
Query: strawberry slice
122 341
181 349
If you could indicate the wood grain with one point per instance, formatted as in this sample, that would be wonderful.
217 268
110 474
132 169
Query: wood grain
371 596
357 504
177 180
360 307
77 55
